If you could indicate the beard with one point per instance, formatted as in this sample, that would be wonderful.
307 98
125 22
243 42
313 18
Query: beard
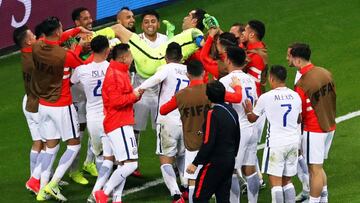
131 29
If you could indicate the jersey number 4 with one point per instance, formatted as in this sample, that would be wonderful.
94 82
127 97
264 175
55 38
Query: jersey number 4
97 89
288 106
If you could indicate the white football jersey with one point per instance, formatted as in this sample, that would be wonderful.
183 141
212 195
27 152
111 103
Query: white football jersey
172 78
248 92
160 39
91 77
281 107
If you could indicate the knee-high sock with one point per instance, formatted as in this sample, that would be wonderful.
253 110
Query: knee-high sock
235 189
118 192
104 174
90 156
324 195
37 170
33 159
180 163
47 163
303 174
314 199
253 186
99 160
65 161
242 180
289 193
169 177
119 175
277 195
191 193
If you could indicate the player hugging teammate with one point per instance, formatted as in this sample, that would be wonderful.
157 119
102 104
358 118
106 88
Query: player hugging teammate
208 131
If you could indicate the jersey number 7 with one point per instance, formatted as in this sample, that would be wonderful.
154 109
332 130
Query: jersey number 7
286 113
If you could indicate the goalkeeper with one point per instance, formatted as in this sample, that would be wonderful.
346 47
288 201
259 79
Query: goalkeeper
147 59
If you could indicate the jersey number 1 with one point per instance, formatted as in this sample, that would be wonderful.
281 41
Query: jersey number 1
286 113
179 83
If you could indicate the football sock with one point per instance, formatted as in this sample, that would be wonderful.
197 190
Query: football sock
47 163
99 160
191 193
169 177
303 174
253 186
314 199
180 163
119 175
324 195
118 192
37 170
65 161
104 174
289 193
33 159
277 195
90 156
235 189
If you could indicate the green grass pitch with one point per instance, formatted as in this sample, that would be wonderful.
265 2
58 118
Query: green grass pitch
331 28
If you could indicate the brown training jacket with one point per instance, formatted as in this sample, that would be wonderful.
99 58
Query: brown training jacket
47 76
319 86
193 103
32 103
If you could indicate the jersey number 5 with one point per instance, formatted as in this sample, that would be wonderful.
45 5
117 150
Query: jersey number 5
96 91
286 113
247 91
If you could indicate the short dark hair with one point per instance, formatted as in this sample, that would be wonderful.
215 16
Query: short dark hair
19 35
258 27
236 55
215 91
39 30
119 50
240 25
173 52
300 50
279 72
75 15
227 39
50 25
195 68
99 44
125 8
199 15
151 13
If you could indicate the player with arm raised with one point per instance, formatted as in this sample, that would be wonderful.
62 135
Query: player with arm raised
282 108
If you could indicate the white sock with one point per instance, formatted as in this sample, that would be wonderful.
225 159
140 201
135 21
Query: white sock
191 193
37 170
119 175
235 189
324 195
180 163
104 174
47 163
118 192
65 161
303 174
277 195
169 177
33 159
289 193
253 185
90 156
99 160
314 199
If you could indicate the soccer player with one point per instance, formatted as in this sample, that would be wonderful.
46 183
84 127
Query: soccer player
91 77
24 38
238 29
148 103
302 169
282 108
218 150
317 91
50 82
126 18
246 158
118 98
193 104
147 60
170 144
